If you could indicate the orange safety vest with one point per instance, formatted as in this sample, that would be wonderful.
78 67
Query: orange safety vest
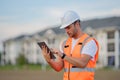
72 72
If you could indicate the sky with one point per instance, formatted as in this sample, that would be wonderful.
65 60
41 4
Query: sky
19 17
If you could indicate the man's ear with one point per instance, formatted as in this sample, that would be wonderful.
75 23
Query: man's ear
78 23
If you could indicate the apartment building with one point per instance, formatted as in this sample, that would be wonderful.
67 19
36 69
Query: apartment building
108 38
27 45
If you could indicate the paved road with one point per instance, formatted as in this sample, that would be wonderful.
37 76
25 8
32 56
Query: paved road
52 75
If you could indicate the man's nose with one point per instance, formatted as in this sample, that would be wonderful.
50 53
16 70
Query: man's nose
66 30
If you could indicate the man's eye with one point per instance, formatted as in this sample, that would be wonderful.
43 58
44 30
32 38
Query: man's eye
69 27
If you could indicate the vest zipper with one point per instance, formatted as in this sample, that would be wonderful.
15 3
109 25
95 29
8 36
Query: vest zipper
69 70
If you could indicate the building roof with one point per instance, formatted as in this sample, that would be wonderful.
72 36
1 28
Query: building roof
101 23
94 23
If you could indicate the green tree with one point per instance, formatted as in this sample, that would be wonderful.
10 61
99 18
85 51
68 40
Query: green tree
0 56
21 60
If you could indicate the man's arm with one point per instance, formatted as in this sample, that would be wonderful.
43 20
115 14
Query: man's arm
56 64
79 62
88 52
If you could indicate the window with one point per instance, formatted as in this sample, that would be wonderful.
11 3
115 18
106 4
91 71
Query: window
119 46
38 51
111 61
111 47
119 34
51 41
110 35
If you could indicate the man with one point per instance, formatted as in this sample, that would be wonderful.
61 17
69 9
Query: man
79 52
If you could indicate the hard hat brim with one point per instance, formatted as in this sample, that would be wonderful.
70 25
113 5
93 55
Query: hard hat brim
64 26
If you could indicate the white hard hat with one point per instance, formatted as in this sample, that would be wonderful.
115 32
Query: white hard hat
68 18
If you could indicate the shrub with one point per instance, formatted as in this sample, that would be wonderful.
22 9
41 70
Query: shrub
21 60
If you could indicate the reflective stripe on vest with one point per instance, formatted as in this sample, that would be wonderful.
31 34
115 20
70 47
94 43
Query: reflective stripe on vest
79 69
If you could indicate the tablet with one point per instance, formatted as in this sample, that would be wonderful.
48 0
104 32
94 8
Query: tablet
48 50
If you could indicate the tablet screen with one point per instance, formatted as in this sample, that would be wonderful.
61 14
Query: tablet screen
48 50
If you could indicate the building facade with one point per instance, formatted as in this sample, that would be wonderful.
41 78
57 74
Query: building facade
108 38
27 45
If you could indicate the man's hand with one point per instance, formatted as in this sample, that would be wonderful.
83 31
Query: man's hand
56 64
46 54
57 52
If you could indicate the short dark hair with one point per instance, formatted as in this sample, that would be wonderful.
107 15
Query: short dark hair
77 21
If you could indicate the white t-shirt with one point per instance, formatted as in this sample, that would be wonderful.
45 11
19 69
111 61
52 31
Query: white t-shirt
90 48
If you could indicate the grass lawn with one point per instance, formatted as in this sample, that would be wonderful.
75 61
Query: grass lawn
24 67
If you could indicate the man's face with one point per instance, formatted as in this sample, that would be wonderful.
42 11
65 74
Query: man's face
71 30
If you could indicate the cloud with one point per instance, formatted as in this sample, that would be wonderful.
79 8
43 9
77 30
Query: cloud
115 12
11 27
50 16
7 18
11 30
100 14
55 14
